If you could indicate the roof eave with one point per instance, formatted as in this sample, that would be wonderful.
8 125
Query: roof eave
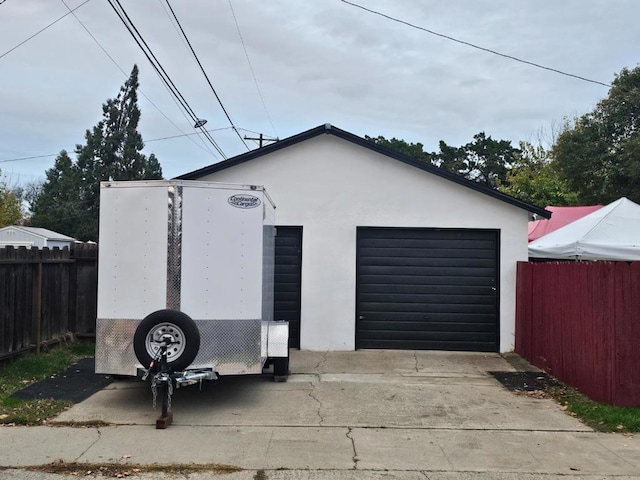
331 130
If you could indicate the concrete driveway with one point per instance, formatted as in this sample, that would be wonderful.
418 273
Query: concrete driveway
437 414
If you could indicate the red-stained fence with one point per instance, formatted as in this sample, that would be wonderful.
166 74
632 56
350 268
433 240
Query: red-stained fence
580 322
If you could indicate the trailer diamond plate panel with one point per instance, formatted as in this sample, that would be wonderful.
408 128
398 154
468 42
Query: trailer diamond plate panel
114 346
232 347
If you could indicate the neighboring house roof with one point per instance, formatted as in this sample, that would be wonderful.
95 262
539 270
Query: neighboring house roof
561 216
41 232
331 130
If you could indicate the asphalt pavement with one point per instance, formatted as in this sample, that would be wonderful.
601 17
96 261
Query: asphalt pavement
363 414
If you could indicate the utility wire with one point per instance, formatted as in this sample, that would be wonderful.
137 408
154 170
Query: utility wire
146 141
122 14
171 88
186 134
475 46
28 158
125 74
255 80
206 76
41 30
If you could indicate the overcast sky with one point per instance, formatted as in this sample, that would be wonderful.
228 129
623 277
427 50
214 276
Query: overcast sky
315 62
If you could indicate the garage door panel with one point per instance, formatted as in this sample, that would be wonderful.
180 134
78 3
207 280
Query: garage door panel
383 328
404 344
425 253
434 271
451 337
385 288
476 243
426 262
424 280
446 317
426 310
407 234
427 289
427 301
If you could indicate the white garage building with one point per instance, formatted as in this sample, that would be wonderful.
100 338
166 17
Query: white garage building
378 250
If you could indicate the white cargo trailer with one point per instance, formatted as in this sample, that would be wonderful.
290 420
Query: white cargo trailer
186 267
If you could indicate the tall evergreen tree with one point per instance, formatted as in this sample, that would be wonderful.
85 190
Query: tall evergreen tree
69 201
58 204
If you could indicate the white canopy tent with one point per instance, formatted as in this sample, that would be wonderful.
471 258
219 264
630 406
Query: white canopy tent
611 233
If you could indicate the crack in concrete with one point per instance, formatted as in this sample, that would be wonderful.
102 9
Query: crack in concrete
319 411
446 457
353 446
324 359
415 359
90 446
615 454
425 475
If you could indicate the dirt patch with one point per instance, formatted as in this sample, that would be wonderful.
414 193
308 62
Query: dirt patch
527 382
115 470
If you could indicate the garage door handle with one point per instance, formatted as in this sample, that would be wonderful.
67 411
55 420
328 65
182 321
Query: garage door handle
360 317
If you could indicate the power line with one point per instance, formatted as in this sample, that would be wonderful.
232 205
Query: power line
206 76
125 74
42 29
510 57
255 80
185 135
146 141
28 158
157 66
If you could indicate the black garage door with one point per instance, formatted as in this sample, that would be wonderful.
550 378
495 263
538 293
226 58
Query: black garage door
287 280
427 289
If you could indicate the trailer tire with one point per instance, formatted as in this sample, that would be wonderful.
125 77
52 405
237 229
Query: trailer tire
179 326
280 369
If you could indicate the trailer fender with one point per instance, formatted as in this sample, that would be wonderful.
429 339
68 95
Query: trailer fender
178 327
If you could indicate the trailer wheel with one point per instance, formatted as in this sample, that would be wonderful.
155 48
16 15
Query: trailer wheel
178 327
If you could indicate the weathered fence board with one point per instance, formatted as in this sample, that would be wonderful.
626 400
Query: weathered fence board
580 321
45 294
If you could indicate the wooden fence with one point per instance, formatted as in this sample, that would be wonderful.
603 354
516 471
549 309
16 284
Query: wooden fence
580 321
45 295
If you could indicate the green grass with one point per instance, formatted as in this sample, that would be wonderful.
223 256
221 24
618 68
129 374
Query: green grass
20 372
599 416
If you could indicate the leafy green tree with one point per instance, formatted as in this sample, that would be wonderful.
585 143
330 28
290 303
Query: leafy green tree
484 160
69 200
599 153
10 205
534 178
413 150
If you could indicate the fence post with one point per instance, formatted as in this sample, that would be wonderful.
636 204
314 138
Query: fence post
37 304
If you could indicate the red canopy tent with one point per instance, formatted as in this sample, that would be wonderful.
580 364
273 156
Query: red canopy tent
560 217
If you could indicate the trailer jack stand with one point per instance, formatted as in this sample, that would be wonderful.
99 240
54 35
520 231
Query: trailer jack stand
163 381
166 418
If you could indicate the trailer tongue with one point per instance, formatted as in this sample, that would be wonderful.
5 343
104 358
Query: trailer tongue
185 284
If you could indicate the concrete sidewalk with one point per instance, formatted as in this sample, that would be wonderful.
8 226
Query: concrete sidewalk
361 414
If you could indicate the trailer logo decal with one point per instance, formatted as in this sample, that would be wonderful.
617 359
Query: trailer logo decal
244 201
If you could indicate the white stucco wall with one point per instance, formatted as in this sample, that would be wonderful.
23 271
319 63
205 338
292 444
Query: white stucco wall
331 186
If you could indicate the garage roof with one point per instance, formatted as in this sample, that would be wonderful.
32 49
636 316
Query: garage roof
329 129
